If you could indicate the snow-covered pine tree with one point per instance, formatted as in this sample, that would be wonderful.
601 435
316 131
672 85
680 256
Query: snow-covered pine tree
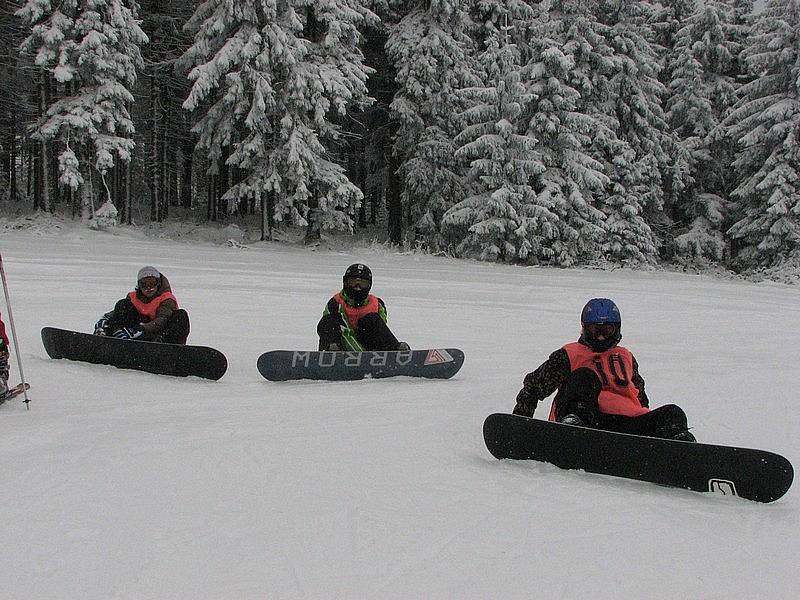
766 122
743 18
92 48
269 76
504 219
637 158
702 94
667 18
428 47
563 132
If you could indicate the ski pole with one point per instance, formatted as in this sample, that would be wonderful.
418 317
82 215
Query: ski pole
13 331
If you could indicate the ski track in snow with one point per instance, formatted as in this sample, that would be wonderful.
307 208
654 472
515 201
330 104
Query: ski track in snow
121 484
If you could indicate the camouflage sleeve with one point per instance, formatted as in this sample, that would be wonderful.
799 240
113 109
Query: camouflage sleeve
384 314
548 376
165 311
331 306
638 381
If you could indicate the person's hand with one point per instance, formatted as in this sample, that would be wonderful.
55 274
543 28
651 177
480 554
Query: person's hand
526 403
129 333
100 327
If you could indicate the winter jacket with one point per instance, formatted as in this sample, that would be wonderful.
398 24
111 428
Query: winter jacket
349 315
152 320
549 376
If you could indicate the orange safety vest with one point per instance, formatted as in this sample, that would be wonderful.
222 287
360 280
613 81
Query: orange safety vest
148 310
614 367
354 313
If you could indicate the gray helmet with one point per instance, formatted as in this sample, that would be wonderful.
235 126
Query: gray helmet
146 272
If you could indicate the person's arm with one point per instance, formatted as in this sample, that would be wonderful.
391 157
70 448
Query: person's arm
638 381
104 323
329 327
164 313
384 314
542 382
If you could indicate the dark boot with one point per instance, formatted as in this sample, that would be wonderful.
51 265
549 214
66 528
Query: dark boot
668 421
577 398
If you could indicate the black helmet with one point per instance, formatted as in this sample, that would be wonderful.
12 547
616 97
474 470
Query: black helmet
601 324
357 282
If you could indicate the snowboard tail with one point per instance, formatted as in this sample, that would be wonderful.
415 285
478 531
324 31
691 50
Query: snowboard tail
285 365
153 357
753 474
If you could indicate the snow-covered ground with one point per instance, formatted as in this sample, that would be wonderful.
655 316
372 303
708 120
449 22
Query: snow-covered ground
121 484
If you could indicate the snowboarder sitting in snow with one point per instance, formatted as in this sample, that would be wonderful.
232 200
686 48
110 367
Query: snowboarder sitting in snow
149 313
598 383
3 358
354 319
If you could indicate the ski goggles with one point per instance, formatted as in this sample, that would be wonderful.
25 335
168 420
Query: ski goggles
596 330
148 283
353 282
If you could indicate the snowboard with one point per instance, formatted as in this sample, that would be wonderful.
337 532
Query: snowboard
752 474
285 365
15 391
153 357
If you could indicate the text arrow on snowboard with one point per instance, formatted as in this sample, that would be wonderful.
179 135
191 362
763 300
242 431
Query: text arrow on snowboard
285 365
753 474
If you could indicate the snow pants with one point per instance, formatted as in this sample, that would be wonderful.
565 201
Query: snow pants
175 331
372 333
579 395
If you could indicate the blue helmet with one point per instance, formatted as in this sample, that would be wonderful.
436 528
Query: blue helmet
601 324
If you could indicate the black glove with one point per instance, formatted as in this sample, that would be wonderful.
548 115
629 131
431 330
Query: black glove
101 326
526 403
129 333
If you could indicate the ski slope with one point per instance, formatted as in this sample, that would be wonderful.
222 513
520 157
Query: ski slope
126 485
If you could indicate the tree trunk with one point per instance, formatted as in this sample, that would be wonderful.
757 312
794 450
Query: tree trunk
44 90
154 190
12 174
186 181
128 209
36 151
265 231
30 171
163 204
394 204
86 189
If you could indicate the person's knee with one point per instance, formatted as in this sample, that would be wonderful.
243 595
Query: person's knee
181 317
674 415
370 320
585 380
177 328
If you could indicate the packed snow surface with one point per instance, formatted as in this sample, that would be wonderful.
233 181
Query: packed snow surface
121 484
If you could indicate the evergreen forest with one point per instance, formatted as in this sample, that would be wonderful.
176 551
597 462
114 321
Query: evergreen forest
551 132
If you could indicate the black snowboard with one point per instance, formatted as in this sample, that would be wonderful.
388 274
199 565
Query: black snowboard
285 365
753 474
164 359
